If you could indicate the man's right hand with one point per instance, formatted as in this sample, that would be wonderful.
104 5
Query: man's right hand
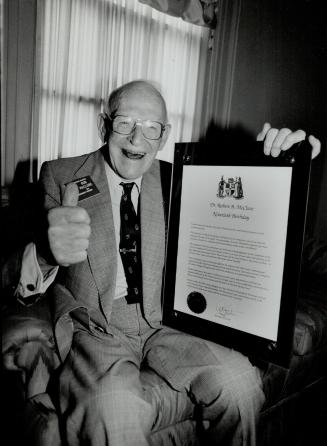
69 229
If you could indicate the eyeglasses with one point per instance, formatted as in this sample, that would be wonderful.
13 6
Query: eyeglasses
125 125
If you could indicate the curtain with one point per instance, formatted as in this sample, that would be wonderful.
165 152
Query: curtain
18 18
86 48
221 65
199 12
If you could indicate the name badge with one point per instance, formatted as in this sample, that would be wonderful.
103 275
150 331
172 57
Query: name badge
86 188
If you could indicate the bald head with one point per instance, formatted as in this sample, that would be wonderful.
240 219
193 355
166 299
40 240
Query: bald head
144 89
132 152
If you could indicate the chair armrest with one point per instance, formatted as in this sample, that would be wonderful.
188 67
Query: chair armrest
311 329
315 257
28 345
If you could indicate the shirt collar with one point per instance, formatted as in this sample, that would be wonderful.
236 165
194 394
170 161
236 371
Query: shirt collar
115 179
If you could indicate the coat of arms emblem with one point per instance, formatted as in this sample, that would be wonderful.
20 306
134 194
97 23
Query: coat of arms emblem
232 187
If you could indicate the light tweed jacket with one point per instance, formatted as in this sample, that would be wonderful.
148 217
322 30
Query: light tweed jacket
90 285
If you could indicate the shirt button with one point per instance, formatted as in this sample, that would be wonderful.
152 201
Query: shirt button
30 287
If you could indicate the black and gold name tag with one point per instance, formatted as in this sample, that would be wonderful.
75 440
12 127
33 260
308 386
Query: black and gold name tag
86 188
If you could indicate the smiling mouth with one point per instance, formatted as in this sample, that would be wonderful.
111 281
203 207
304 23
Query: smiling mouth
133 155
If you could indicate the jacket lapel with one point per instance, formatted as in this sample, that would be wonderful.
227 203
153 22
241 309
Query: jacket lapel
153 234
102 253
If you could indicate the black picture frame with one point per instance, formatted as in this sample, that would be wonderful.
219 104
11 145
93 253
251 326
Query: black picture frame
298 158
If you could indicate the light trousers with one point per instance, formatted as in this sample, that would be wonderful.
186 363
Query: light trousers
104 402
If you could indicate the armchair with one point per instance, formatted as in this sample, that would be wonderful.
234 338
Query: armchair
296 405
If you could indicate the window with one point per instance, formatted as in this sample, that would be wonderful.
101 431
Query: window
89 47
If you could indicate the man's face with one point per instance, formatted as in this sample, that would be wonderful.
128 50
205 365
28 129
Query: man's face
132 155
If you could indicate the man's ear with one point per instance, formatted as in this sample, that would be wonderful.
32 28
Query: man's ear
104 125
165 136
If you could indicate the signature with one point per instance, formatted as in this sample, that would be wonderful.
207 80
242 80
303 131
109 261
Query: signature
223 311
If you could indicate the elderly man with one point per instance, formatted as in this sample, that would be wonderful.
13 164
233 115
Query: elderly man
103 260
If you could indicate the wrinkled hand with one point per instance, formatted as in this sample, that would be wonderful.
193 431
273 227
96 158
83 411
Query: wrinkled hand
276 140
69 229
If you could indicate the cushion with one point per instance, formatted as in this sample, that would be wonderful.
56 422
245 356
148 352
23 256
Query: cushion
311 320
311 326
41 426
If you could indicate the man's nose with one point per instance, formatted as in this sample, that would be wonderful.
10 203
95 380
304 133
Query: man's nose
136 137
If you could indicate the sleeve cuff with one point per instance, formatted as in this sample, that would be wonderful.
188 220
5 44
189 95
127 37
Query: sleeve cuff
32 281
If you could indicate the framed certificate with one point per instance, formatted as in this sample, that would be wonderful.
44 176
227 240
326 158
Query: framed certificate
235 237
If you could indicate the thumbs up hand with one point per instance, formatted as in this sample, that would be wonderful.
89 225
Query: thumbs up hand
69 229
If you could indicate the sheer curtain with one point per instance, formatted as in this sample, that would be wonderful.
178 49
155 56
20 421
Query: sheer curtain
86 48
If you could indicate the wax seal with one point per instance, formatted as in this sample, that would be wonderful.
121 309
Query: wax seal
196 302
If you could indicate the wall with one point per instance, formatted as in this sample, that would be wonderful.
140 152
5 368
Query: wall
280 77
19 23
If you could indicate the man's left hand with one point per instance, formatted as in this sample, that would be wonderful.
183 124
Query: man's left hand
276 140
